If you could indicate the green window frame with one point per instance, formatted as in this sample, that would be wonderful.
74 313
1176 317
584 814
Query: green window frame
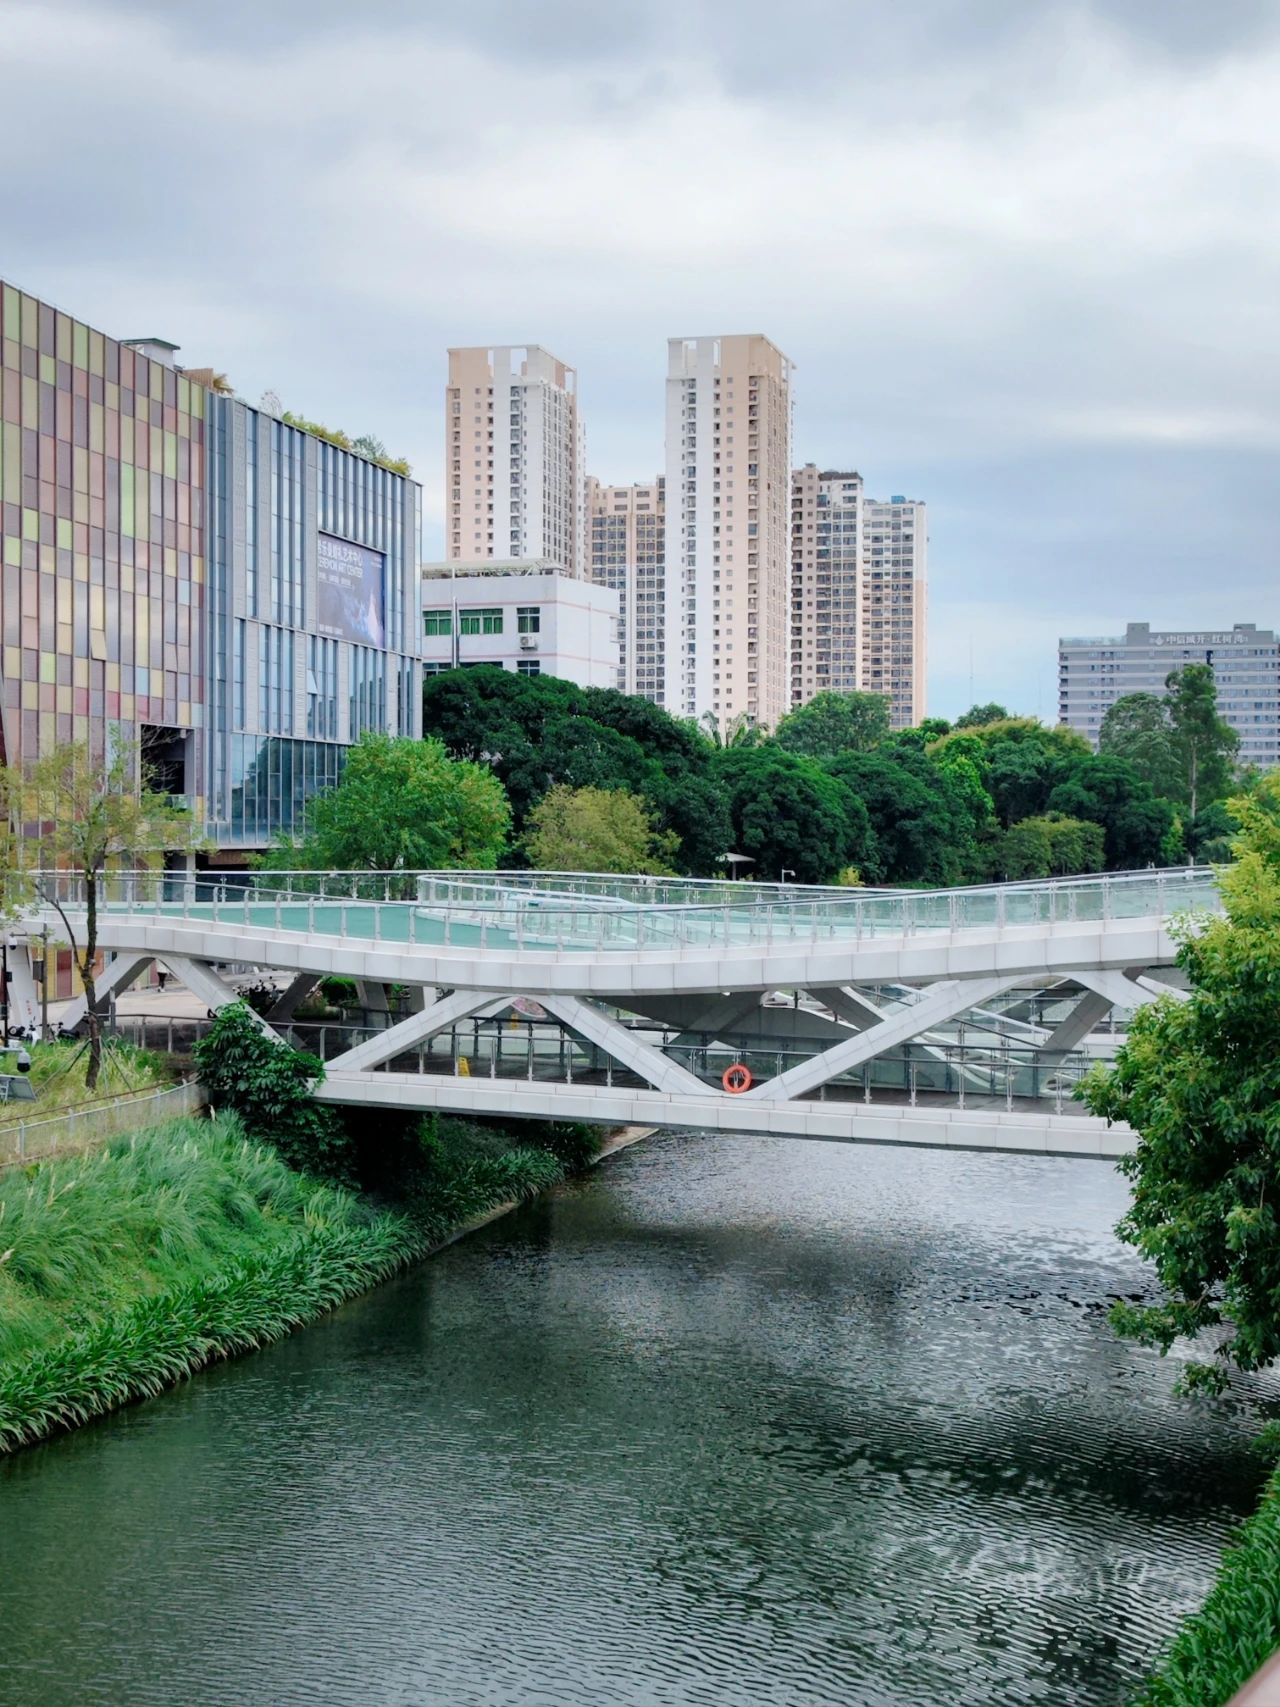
480 622
529 619
437 622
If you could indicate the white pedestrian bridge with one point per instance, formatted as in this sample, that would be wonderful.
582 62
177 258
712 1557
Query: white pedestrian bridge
956 1018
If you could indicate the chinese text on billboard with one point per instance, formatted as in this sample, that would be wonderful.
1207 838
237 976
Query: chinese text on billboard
349 602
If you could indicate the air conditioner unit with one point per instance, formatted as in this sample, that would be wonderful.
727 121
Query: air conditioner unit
528 643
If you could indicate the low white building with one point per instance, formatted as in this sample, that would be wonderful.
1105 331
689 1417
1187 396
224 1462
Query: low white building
525 615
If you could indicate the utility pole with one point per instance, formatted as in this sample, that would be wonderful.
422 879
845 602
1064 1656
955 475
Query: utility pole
4 986
44 984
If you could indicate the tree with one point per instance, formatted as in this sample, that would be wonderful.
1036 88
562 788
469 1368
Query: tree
537 731
833 723
402 805
71 814
1140 830
787 813
1052 845
1024 851
1138 729
921 819
1205 746
978 716
597 829
270 1086
1199 1081
741 731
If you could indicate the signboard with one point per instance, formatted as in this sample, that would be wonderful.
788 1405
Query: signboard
349 603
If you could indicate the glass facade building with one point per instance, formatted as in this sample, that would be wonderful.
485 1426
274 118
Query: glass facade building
313 616
238 597
102 536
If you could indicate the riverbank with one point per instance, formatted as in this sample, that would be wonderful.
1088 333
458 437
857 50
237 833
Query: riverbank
1237 1630
128 1269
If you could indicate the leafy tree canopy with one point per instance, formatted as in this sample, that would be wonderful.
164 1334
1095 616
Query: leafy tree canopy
1204 744
834 723
1199 1080
1140 830
1052 845
402 805
925 819
979 716
540 731
80 812
788 814
1138 729
597 829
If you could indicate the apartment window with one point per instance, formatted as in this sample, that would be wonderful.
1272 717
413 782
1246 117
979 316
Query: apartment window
529 621
528 667
480 622
437 622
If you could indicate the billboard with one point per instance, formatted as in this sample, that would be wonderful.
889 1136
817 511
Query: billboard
349 603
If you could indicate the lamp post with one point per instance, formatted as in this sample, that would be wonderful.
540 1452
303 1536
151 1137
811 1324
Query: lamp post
787 871
4 988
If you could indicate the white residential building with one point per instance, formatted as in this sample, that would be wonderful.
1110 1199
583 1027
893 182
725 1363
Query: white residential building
527 616
626 551
515 464
894 610
1093 673
728 534
826 582
859 592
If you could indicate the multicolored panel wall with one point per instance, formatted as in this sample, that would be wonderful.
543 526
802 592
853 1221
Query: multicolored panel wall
102 519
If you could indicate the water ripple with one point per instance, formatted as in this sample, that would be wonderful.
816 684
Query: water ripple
734 1422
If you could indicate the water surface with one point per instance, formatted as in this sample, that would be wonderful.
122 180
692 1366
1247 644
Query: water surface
734 1421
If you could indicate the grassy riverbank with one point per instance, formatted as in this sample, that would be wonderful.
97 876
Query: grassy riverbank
1237 1629
124 1270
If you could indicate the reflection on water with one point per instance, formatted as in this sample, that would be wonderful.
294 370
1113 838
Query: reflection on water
734 1421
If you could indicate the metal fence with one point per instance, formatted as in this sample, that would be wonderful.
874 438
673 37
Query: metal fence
550 911
24 1141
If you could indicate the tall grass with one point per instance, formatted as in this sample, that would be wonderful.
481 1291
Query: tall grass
123 1270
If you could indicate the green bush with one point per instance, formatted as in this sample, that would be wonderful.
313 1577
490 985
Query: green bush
270 1085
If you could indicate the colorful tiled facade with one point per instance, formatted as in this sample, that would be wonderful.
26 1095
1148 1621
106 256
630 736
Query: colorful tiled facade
102 481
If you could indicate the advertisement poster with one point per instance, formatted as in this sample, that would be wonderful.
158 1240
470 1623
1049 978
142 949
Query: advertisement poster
349 602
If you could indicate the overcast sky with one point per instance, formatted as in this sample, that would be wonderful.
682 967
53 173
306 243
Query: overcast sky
1025 256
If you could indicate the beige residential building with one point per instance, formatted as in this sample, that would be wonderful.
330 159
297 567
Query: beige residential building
895 561
858 592
728 533
626 551
515 474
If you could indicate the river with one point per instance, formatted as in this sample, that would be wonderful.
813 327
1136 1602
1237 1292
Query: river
733 1421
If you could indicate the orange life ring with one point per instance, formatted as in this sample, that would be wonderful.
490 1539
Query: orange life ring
736 1079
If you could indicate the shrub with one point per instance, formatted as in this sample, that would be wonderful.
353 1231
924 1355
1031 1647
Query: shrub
270 1087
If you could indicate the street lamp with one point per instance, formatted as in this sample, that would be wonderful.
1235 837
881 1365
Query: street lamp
787 872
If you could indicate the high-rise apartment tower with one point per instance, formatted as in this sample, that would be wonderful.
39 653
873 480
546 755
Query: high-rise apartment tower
728 562
627 552
826 582
514 458
895 561
859 590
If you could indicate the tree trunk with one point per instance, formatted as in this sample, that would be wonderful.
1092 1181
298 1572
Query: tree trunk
88 956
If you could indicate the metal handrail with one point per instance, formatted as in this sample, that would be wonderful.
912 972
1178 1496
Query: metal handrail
486 910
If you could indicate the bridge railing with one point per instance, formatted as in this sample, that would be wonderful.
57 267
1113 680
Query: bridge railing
491 911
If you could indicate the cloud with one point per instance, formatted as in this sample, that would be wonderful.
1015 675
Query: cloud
1021 255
